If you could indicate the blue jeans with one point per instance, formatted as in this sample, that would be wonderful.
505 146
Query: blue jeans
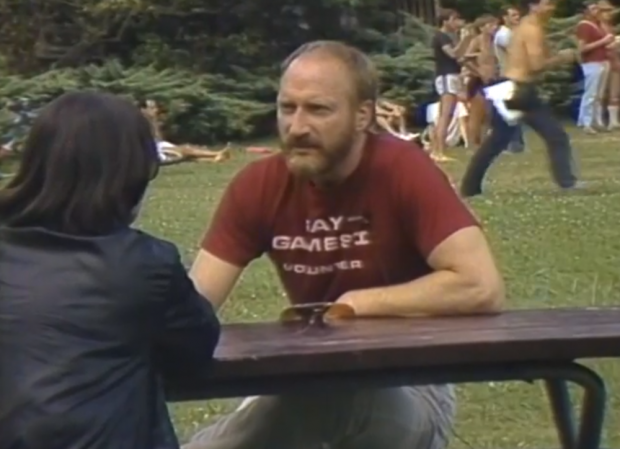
593 75
517 143
540 118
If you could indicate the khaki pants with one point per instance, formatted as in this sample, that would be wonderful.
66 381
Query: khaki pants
418 417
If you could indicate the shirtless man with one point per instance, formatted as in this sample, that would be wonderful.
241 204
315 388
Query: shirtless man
447 55
528 56
510 19
353 217
482 62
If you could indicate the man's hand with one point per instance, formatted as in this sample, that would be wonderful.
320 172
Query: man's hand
614 44
349 300
609 39
465 281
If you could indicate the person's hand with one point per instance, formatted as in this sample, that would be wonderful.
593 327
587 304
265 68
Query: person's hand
615 43
348 299
609 39
465 32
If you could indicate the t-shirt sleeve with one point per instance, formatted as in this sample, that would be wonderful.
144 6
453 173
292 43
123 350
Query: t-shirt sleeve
237 233
441 40
502 38
431 209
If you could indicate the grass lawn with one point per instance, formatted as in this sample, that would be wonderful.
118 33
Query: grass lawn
554 249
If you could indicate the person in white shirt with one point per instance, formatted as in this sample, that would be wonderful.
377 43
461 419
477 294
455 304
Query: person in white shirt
510 18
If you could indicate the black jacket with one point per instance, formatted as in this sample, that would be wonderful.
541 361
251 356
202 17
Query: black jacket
90 328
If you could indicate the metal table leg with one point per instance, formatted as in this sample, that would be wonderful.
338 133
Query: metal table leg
562 409
555 375
592 411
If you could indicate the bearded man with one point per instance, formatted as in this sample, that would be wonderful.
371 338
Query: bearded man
352 217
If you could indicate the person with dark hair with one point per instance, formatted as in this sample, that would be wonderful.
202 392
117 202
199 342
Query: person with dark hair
516 100
94 314
447 53
362 219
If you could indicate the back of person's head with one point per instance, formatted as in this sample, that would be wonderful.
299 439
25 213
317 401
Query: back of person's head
86 164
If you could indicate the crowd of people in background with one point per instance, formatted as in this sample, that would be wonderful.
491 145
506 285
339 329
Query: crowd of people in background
470 56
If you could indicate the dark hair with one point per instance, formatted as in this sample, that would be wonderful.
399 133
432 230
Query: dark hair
506 10
446 14
484 20
86 164
526 4
360 66
587 4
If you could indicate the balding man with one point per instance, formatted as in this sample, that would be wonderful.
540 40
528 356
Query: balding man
353 217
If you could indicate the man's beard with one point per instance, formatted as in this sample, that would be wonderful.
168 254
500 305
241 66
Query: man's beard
308 158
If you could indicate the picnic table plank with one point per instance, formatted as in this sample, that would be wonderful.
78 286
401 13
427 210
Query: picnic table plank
527 345
264 349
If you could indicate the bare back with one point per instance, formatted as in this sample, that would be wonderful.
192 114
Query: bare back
526 47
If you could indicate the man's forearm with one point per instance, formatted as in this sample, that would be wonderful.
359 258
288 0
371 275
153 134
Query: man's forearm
593 45
439 293
462 46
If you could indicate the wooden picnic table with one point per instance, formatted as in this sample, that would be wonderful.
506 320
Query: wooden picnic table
529 345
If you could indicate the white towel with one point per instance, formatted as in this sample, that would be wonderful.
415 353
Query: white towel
498 94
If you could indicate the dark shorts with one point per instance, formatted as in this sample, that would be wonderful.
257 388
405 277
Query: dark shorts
474 87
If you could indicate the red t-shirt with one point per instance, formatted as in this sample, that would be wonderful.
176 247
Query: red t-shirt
589 32
375 229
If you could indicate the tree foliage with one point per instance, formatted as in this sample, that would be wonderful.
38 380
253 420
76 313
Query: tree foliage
213 64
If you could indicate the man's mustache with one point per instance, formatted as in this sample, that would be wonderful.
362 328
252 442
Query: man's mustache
301 142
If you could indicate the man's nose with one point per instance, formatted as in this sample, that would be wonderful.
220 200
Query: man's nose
298 124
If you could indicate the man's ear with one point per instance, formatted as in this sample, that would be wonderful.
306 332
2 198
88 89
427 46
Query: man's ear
365 116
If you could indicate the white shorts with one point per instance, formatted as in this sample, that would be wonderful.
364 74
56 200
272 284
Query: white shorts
453 136
161 146
448 84
498 94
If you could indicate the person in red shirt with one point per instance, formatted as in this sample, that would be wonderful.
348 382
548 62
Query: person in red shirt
358 218
611 88
592 42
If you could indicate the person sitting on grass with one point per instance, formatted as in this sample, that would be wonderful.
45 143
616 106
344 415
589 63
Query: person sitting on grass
391 118
94 314
151 111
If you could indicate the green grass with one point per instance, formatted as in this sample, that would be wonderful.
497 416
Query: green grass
554 249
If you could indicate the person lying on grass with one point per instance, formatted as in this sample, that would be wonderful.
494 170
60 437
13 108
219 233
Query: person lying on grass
391 118
151 111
